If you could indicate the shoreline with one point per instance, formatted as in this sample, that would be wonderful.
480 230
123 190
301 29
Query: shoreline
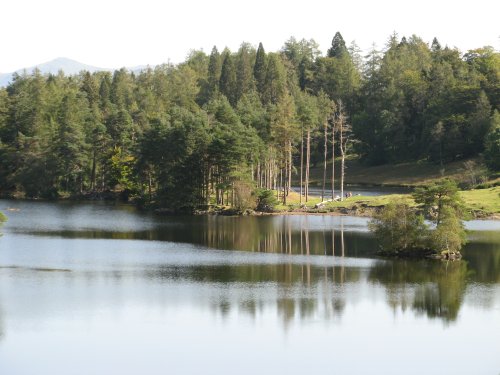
357 209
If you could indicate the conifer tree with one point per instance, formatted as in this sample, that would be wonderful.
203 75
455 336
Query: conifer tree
338 48
275 81
244 75
228 84
214 72
259 69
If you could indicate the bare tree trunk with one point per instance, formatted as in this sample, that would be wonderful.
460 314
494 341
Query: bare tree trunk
308 159
341 125
301 164
342 171
258 175
94 167
324 162
281 186
150 188
333 161
289 166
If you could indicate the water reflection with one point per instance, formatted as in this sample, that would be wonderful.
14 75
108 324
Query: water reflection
313 265
84 285
298 291
435 289
341 236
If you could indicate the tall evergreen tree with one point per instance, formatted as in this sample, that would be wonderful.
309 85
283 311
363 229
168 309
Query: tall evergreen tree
244 75
275 81
338 48
228 83
213 77
259 69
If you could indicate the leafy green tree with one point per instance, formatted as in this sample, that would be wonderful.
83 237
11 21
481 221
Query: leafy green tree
121 90
275 87
480 122
302 55
252 113
244 74
182 87
71 149
438 199
492 143
211 86
266 200
399 228
449 236
3 219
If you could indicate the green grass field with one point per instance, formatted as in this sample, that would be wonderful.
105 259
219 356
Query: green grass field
485 200
404 174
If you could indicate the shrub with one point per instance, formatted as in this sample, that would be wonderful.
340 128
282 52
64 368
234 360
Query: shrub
398 227
266 200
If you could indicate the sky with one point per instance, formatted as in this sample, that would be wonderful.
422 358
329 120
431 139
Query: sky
113 34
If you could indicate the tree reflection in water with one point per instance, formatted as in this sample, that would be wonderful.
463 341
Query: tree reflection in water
298 290
1 324
435 289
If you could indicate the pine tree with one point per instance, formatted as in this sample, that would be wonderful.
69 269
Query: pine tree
228 84
275 82
214 72
244 75
338 48
71 147
435 46
259 69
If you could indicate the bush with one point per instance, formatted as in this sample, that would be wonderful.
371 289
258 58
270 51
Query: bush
398 228
449 235
244 197
266 200
3 219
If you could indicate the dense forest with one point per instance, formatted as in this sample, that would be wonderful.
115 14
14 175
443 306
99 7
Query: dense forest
218 126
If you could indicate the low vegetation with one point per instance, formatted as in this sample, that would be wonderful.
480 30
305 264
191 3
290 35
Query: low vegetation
3 219
401 230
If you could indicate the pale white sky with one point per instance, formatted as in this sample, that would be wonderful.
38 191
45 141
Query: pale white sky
112 34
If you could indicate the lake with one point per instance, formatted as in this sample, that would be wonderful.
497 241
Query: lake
96 288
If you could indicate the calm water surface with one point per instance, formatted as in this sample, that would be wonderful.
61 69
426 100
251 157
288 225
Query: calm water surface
103 289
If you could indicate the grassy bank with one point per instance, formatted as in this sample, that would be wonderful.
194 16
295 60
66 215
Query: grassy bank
404 174
482 202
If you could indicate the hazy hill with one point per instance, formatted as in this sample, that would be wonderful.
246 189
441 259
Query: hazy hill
68 66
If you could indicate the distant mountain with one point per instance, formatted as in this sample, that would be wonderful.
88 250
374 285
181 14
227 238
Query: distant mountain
68 66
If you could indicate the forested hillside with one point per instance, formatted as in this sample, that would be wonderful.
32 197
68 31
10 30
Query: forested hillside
219 125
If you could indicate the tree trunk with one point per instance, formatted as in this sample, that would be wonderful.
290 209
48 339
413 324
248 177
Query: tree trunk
308 159
150 188
289 166
324 162
333 162
94 167
301 164
342 163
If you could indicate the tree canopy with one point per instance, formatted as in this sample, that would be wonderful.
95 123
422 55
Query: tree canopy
182 134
